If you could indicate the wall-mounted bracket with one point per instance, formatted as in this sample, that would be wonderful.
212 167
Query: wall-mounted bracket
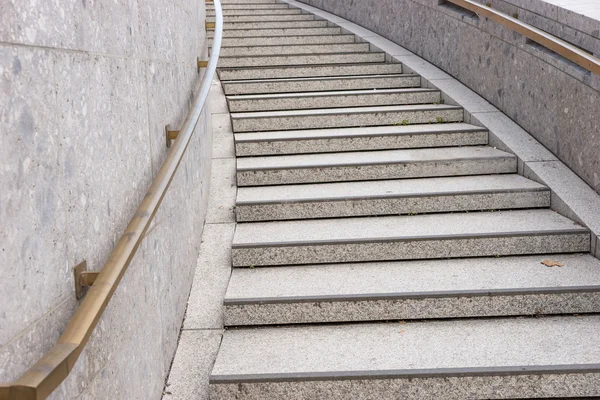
210 25
83 279
202 64
170 134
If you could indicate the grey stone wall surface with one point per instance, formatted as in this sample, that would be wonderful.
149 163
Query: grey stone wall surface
86 90
555 100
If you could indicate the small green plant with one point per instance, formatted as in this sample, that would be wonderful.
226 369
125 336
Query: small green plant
516 15
404 122
439 120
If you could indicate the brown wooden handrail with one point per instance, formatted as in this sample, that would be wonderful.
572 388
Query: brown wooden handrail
53 368
559 46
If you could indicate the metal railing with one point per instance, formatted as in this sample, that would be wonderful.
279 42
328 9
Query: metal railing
53 368
559 46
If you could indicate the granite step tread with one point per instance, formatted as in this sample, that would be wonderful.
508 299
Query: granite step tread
332 99
227 12
231 74
301 59
413 290
264 50
389 197
358 139
284 40
248 6
526 357
425 236
373 165
263 121
386 188
323 84
383 157
227 19
266 33
249 26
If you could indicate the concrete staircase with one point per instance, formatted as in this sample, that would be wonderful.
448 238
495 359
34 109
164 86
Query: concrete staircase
383 250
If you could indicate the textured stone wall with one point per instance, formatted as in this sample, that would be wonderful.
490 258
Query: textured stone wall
87 87
550 97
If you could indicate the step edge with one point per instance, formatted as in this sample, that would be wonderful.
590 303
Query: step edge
320 78
512 190
407 373
260 56
498 157
391 239
350 136
241 301
333 93
343 110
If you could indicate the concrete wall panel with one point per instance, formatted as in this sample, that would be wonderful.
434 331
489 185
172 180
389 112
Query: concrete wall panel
87 87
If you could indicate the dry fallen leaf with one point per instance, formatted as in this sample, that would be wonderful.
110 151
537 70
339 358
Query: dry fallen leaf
552 263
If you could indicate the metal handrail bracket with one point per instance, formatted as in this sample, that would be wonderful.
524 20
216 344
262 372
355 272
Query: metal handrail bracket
53 368
559 46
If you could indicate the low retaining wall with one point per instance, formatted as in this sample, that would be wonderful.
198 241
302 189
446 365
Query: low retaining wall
550 97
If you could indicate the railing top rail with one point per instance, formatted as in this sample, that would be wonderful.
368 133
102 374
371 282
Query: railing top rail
53 368
559 46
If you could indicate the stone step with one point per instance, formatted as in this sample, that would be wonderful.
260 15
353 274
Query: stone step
345 117
248 6
389 197
250 26
285 40
227 12
328 83
249 2
453 359
246 51
358 139
424 289
267 34
426 236
337 99
227 19
301 59
308 71
373 165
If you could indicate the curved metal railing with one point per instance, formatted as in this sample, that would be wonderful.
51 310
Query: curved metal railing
53 368
559 46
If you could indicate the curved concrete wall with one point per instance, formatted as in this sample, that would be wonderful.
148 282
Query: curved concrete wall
553 99
87 88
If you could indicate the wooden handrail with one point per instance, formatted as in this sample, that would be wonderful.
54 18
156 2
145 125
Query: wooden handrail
53 368
559 46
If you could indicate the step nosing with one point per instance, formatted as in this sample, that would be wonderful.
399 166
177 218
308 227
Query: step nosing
264 67
407 373
334 93
343 110
260 46
393 196
320 78
368 163
444 237
290 138
411 295
301 55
